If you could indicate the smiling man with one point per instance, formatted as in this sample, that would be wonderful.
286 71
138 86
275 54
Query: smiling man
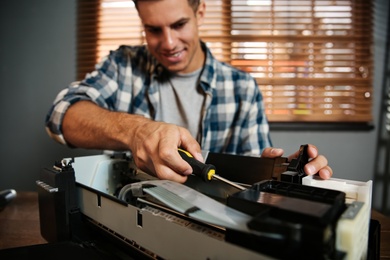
173 37
151 100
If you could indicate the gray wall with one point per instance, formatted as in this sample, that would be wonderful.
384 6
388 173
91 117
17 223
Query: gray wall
37 50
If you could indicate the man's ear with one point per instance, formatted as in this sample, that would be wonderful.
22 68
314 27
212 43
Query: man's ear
200 13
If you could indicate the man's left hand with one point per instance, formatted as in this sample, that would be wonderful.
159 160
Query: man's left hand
317 162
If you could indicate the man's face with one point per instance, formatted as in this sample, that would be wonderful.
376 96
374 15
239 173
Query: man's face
171 31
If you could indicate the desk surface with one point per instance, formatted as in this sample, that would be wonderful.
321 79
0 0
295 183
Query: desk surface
19 224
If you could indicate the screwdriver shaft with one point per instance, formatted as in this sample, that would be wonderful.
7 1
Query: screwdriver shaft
228 182
205 171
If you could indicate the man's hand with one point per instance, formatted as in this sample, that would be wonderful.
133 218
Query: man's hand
317 163
154 148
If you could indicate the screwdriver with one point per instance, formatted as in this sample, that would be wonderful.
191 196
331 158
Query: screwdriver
203 170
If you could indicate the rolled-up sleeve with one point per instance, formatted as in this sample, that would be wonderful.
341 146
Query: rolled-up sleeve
100 87
117 84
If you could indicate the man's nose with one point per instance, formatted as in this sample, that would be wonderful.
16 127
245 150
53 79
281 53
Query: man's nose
168 39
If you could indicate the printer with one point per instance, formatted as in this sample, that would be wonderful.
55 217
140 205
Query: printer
106 203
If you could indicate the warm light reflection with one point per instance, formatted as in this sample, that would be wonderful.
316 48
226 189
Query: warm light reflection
258 2
117 4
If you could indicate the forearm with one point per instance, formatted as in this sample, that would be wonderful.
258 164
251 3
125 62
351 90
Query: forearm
89 126
153 144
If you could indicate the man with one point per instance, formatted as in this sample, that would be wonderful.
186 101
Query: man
172 93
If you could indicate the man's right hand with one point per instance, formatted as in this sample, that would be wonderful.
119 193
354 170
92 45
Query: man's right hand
154 145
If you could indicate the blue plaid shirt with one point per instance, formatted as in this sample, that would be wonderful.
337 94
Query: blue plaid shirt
127 80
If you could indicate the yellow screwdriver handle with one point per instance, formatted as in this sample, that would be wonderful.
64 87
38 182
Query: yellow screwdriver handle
202 170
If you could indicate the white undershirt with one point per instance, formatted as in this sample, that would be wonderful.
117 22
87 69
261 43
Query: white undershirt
181 101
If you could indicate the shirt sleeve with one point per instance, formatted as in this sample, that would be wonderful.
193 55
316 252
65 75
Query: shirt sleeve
99 87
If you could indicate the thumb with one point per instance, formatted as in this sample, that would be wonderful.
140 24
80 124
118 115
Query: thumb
271 152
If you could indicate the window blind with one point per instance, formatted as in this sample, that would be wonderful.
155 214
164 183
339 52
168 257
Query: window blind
311 58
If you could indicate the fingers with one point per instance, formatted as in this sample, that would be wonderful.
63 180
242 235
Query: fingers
157 153
271 152
326 172
166 173
312 152
189 144
317 163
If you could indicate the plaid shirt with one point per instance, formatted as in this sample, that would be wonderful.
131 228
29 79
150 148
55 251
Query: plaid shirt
127 80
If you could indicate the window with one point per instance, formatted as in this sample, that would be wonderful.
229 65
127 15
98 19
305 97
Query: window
311 58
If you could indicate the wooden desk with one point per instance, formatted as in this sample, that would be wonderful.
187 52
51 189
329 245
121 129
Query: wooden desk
19 224
385 233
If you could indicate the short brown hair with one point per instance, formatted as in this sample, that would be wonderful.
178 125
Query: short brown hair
193 3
